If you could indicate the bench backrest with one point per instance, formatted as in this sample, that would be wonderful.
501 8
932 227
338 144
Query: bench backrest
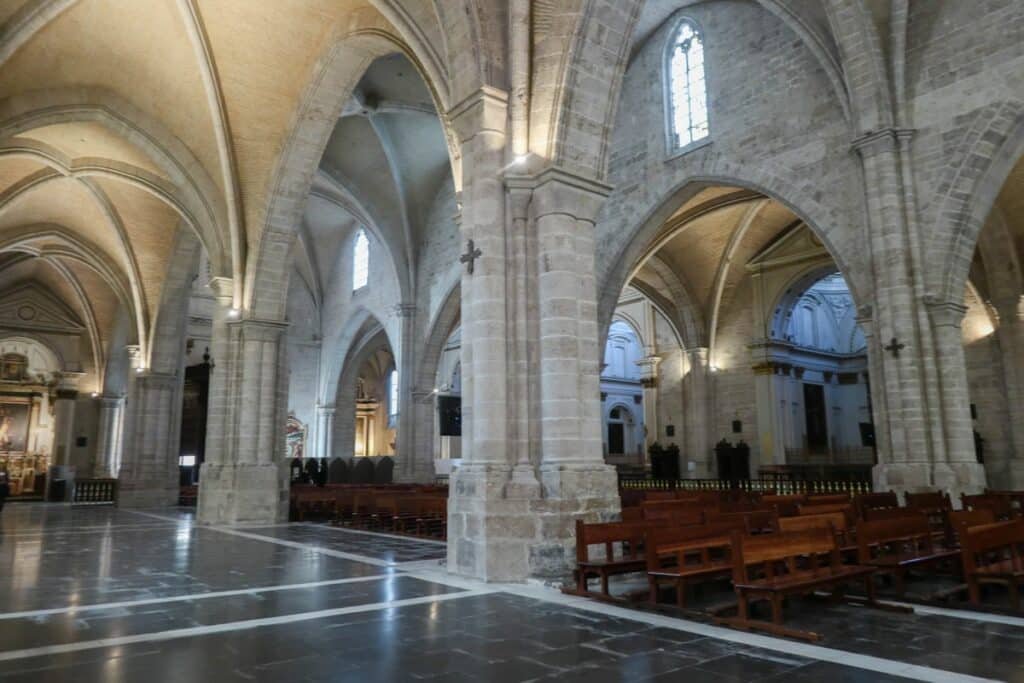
959 520
930 500
755 521
780 553
874 501
875 514
904 535
835 521
786 506
674 516
828 498
695 547
993 543
610 535
1000 506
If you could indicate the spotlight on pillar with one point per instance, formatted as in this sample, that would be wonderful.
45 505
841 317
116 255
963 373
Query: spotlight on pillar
139 370
521 159
714 368
233 313
436 390
95 394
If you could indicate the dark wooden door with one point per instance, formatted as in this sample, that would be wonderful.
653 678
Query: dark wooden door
817 421
616 438
193 418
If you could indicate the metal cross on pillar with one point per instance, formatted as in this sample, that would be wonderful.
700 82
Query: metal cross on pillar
470 256
895 347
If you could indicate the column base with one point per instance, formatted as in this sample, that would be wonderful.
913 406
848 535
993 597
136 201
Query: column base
501 529
242 494
145 494
955 477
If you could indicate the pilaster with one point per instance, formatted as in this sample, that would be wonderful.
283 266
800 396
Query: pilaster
148 476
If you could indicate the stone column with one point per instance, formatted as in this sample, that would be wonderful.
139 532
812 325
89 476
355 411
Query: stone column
698 413
649 382
325 431
405 446
905 376
1010 333
961 473
769 388
109 436
575 479
245 478
149 469
64 432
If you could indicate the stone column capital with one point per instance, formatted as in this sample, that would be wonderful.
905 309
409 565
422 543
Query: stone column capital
1009 308
485 110
255 329
872 143
326 409
223 289
944 313
557 191
405 310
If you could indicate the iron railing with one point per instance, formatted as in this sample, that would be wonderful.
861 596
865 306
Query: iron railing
94 492
777 485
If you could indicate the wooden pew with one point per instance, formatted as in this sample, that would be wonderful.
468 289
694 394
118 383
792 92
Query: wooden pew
775 566
682 556
754 521
934 504
994 553
623 544
896 545
828 499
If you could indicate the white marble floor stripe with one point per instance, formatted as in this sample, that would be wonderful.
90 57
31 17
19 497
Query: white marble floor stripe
75 609
878 664
396 537
121 641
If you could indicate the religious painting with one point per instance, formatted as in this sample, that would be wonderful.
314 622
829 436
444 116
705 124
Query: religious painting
295 438
13 367
14 419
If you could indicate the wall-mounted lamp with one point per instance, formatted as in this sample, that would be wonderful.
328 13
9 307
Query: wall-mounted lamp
95 394
714 368
520 159
233 313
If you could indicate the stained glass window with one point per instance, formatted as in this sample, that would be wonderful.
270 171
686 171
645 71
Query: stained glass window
393 394
689 104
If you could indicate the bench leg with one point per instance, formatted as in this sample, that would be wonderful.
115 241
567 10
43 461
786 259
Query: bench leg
653 590
581 582
1014 595
869 588
680 593
604 583
973 590
776 608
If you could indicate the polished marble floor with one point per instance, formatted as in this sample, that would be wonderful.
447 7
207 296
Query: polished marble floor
98 594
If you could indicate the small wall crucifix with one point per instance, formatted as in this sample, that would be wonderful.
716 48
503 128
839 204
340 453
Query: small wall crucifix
895 347
471 255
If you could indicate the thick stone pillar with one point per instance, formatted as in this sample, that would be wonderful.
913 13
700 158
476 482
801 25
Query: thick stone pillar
63 432
325 431
532 451
909 374
245 478
961 473
576 481
109 436
1010 334
148 475
770 392
698 414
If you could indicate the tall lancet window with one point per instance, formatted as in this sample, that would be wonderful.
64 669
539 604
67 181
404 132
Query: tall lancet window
688 102
360 261
393 395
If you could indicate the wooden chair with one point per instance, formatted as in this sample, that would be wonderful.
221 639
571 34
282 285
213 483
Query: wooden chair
934 504
896 545
623 544
1000 506
772 567
958 520
994 553
681 556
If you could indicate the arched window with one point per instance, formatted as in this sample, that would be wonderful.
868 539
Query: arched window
360 261
688 103
393 394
